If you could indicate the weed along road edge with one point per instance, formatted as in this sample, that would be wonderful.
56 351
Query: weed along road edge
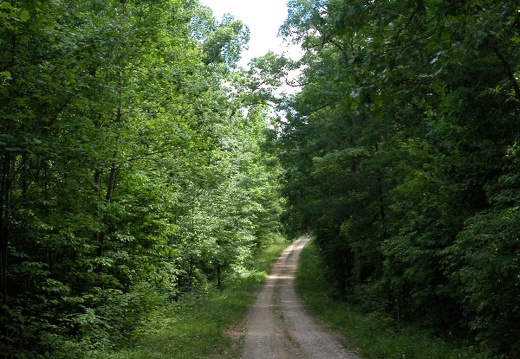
277 325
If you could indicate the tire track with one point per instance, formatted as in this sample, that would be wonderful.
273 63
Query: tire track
277 325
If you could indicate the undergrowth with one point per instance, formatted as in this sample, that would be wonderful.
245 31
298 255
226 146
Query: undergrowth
372 335
203 324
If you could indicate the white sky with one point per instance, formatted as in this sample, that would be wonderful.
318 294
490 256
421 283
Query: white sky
263 17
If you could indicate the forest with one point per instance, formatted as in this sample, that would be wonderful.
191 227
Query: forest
135 165
401 157
139 162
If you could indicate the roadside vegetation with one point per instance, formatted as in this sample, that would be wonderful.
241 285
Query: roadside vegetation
372 335
401 156
141 167
204 324
136 165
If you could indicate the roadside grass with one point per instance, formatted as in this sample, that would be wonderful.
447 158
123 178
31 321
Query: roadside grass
370 335
208 325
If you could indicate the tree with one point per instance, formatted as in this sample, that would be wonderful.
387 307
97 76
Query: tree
123 158
391 149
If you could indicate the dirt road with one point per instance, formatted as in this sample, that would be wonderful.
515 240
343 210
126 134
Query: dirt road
278 327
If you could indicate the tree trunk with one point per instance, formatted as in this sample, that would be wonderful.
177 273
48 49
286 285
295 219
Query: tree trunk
111 185
108 196
5 188
509 71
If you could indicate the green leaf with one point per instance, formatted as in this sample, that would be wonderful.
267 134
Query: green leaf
6 6
24 15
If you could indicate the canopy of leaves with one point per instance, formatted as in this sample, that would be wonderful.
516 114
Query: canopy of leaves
132 166
400 156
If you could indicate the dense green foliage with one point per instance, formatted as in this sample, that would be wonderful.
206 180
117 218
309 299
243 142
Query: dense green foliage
202 324
401 157
136 163
371 335
134 166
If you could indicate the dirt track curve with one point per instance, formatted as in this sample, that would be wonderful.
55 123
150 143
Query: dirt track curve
278 327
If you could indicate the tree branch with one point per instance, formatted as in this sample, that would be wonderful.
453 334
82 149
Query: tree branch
509 71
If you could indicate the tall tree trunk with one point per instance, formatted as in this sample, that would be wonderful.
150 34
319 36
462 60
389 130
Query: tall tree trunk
380 194
5 189
111 185
508 70
108 197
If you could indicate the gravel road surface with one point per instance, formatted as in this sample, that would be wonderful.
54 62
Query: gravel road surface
278 327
